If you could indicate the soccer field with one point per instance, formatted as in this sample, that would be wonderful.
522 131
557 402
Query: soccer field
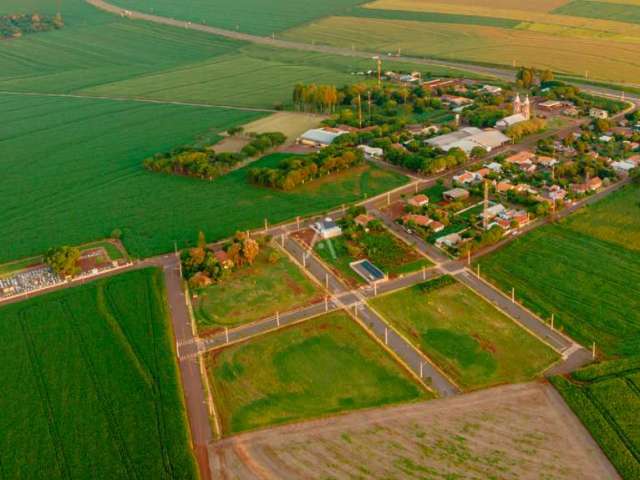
90 385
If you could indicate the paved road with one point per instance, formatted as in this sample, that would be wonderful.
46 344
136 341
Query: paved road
189 367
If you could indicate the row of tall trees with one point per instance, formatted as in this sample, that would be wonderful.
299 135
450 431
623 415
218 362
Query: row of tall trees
527 77
14 26
205 163
315 98
294 171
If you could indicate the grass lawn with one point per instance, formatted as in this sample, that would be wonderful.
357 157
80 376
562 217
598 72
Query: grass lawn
387 252
618 11
323 366
253 292
584 271
90 383
466 336
606 397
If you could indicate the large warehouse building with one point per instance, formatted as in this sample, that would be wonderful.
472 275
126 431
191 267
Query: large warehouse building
469 138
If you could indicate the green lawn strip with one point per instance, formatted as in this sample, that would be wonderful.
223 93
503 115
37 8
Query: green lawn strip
7 269
431 17
382 248
606 369
253 292
91 374
467 337
323 366
618 12
592 286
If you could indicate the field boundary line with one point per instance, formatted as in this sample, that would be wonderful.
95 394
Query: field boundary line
139 100
418 351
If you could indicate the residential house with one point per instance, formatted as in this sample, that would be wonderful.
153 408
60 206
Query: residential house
492 212
451 240
467 178
493 90
598 113
494 167
419 201
547 162
419 220
503 186
363 219
623 167
327 228
594 184
455 100
371 153
456 194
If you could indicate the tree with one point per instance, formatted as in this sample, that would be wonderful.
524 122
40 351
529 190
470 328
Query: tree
116 234
63 260
250 250
546 76
202 240
635 175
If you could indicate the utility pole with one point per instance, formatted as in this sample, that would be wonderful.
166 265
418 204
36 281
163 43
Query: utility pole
360 110
326 281
266 225
478 271
369 102
593 351
513 295
386 336
326 303
485 215
226 334
379 72
553 321
421 365
278 319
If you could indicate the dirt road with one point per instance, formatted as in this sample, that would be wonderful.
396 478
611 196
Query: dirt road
513 432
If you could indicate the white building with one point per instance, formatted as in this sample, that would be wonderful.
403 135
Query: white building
327 228
623 167
371 153
598 113
320 137
493 90
469 138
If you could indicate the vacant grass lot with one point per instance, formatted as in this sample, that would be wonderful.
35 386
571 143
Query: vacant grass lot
90 385
606 397
82 160
431 17
323 366
249 16
385 251
254 292
590 281
463 334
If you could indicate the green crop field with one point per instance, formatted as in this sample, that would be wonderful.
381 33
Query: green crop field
249 16
323 366
82 160
467 337
254 292
586 274
606 397
619 12
90 384
391 255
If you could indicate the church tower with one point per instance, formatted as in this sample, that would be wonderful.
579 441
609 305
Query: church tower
517 105
526 108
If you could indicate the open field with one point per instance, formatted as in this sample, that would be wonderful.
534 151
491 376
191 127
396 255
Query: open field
601 10
603 59
323 366
388 253
464 335
512 432
90 384
254 292
292 124
249 16
606 397
82 160
586 274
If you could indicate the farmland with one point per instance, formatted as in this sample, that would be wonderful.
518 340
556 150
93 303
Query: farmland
91 385
323 366
514 431
247 16
594 271
536 35
85 182
620 12
606 397
253 292
463 334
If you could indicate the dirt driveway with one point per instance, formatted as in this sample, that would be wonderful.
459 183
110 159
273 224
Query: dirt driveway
512 432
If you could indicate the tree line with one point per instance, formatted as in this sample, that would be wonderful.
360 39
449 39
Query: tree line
14 26
205 163
315 98
297 170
